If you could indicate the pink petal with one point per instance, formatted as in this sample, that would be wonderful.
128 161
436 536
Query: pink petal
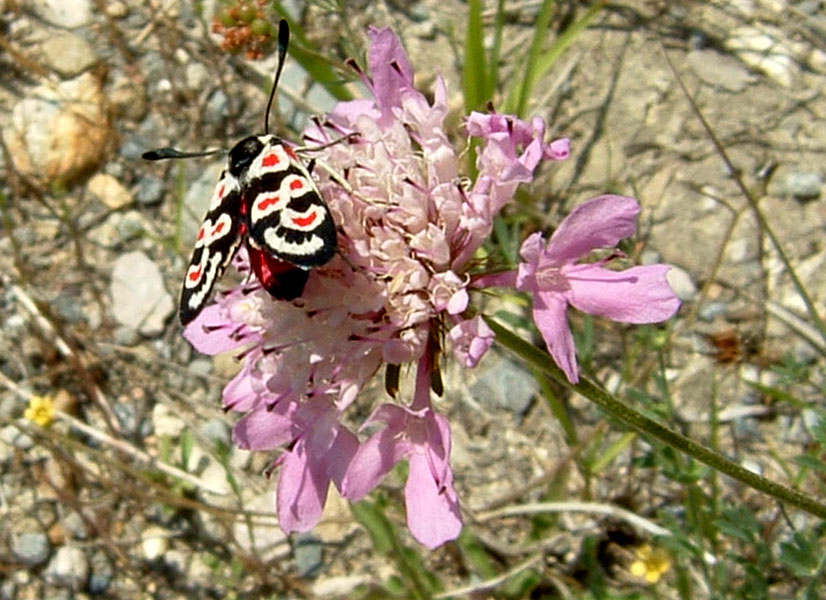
302 491
471 339
531 253
244 392
558 149
433 513
374 459
597 223
636 295
391 71
549 314
341 455
505 279
211 333
265 429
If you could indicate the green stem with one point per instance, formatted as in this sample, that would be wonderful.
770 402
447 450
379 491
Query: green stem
541 360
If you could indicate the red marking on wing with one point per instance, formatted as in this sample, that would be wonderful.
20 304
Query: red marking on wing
290 152
305 221
221 191
296 184
270 160
218 228
268 201
201 233
196 275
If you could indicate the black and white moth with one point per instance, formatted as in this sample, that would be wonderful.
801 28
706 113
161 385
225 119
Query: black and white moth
266 199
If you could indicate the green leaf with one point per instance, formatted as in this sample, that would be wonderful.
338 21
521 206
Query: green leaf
187 441
474 76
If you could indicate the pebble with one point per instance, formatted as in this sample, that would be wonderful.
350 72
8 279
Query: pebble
109 190
680 281
503 384
719 70
100 577
69 567
803 185
8 590
75 525
150 190
69 14
176 561
765 50
165 423
139 299
127 416
67 54
308 552
196 76
13 436
106 234
215 478
200 366
217 431
126 336
69 306
130 225
30 548
215 111
59 132
154 542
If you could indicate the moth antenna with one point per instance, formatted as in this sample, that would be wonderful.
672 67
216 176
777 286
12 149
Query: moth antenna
283 42
169 152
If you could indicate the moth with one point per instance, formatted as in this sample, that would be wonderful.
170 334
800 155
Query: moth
265 199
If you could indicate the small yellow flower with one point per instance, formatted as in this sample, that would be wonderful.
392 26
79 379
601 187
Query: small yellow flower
41 410
651 564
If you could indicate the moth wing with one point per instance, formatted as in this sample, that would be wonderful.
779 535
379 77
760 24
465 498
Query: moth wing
289 219
218 240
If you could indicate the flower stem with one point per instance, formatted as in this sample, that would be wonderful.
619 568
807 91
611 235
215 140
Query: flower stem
539 359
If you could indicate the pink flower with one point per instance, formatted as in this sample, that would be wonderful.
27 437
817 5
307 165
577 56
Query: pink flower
555 278
423 437
471 339
409 230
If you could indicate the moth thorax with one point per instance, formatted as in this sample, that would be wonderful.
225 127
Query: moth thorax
243 153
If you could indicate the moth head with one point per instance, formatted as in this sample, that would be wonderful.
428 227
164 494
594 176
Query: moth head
243 153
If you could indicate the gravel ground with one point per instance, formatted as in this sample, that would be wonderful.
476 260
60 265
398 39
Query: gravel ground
128 495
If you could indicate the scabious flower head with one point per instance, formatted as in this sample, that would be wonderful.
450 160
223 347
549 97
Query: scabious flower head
409 226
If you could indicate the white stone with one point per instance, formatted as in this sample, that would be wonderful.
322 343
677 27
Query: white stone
68 54
764 49
109 190
139 299
154 542
682 284
65 13
69 567
59 132
165 423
